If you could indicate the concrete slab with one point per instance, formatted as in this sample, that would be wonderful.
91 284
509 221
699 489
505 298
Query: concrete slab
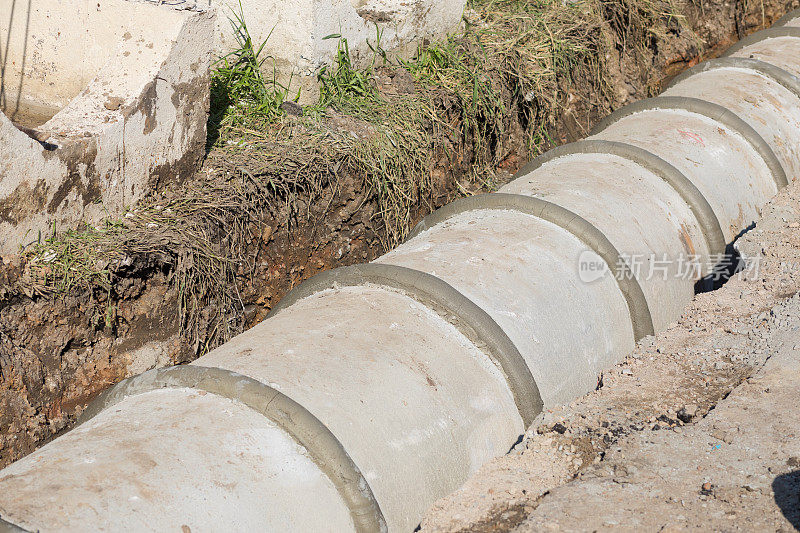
295 31
101 105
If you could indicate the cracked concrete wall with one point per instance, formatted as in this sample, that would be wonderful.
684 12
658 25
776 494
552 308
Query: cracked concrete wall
295 32
100 106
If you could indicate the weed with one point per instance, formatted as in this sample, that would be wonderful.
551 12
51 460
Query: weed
343 81
59 263
239 92
199 235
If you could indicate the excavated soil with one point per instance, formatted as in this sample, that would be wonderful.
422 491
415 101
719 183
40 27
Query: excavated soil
57 353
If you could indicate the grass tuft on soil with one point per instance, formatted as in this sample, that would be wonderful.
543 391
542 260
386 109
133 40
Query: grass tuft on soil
390 123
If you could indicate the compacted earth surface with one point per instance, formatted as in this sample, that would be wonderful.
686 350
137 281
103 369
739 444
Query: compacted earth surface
699 428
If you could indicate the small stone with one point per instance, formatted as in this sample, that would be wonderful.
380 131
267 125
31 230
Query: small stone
793 462
724 436
266 234
687 413
669 422
113 103
291 108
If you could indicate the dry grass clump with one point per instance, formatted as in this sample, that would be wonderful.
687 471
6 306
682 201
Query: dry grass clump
512 64
199 236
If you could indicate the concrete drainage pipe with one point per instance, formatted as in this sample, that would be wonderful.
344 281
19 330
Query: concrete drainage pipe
373 390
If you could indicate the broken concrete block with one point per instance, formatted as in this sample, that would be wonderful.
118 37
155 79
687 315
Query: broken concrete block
102 101
295 32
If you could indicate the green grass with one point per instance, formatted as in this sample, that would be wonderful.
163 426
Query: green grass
342 81
239 92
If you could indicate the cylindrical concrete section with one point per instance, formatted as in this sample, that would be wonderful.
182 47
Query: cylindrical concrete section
721 154
776 46
416 404
521 269
763 95
791 19
373 390
161 460
638 210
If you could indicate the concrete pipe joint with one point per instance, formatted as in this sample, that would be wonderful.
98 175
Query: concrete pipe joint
373 390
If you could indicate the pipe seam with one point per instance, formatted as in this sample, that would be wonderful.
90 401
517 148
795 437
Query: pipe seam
439 296
308 431
702 210
769 33
768 70
784 20
591 236
709 110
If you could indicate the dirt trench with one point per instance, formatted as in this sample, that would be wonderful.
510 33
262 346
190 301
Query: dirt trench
58 352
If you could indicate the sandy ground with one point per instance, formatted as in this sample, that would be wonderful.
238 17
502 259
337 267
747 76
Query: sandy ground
737 469
698 429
